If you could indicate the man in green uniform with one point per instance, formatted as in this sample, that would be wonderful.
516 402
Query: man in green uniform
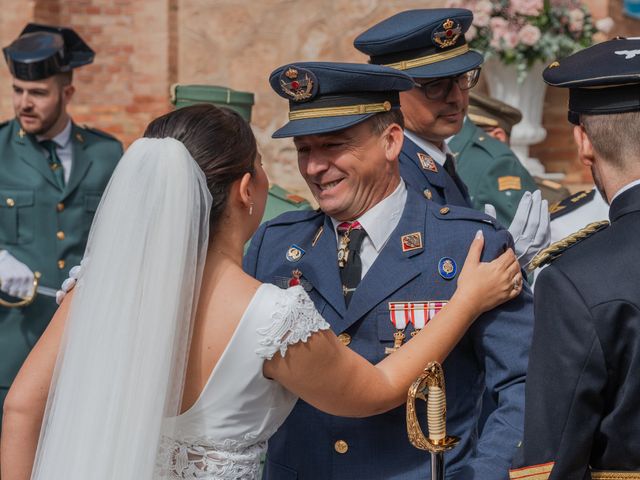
53 173
497 119
492 172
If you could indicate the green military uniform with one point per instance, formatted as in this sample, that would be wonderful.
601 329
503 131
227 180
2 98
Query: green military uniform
491 171
280 201
43 226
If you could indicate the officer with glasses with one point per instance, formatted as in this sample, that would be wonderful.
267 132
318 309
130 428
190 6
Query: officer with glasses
429 45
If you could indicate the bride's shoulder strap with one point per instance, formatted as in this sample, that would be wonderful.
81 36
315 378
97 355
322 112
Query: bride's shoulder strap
294 319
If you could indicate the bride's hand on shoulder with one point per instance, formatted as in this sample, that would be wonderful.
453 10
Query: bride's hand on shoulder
483 286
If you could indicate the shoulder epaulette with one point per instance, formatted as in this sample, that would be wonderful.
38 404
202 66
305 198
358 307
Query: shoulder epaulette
556 249
570 203
290 198
453 212
294 216
100 133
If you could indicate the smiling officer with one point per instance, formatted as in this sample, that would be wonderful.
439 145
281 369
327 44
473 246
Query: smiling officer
375 250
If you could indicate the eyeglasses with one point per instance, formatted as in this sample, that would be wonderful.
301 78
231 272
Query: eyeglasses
440 88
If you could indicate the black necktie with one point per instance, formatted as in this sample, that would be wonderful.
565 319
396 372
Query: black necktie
54 161
450 166
349 257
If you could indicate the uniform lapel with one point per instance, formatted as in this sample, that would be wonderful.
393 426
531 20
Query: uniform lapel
393 268
30 153
81 161
320 267
410 150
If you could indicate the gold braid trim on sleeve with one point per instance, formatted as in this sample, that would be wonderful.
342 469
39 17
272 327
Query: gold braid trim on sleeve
615 475
556 249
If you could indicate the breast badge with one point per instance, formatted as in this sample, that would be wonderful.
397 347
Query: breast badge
411 241
447 268
294 280
294 253
427 162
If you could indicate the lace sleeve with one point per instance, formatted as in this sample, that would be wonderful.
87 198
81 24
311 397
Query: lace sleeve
294 319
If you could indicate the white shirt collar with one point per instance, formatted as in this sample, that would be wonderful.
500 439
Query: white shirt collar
624 189
61 139
438 155
380 220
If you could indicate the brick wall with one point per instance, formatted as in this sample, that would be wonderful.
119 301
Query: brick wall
143 46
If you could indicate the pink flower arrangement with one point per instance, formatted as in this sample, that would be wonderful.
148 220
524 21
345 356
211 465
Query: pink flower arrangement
523 32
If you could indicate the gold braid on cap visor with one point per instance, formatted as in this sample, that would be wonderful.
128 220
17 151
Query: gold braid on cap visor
340 111
429 59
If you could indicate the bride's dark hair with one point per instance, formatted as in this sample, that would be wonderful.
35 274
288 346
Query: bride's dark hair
218 139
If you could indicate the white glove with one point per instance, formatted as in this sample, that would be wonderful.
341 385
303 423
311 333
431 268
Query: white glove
530 227
69 283
16 278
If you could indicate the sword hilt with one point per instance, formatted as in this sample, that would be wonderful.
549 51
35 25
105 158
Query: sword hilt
429 386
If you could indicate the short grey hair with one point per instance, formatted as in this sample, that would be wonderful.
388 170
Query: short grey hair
615 137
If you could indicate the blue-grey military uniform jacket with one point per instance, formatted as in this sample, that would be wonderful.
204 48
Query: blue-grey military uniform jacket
43 226
583 386
492 355
424 174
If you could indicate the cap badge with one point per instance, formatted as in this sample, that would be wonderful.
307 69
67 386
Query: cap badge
447 268
554 65
411 241
447 34
427 162
628 54
294 253
298 84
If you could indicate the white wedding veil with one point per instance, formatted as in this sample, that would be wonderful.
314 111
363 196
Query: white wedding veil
122 360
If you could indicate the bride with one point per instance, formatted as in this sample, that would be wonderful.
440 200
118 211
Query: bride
166 360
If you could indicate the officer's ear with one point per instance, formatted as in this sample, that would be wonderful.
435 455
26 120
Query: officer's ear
392 139
499 134
585 147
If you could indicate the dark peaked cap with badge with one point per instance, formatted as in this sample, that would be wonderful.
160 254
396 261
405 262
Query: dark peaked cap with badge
326 96
42 51
426 43
602 79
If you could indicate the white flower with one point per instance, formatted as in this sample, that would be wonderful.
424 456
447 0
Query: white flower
481 19
605 25
471 33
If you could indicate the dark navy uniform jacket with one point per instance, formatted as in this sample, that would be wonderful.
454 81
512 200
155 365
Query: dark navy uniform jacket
583 387
492 355
435 183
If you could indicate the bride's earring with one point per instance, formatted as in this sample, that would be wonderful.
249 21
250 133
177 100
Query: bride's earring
251 208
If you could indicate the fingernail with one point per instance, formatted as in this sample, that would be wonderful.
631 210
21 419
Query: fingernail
479 235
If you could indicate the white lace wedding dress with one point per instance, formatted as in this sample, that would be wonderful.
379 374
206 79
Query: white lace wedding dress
224 433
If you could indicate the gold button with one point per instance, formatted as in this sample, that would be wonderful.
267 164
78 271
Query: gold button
60 207
427 194
341 446
10 202
60 264
344 338
60 235
444 210
481 139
